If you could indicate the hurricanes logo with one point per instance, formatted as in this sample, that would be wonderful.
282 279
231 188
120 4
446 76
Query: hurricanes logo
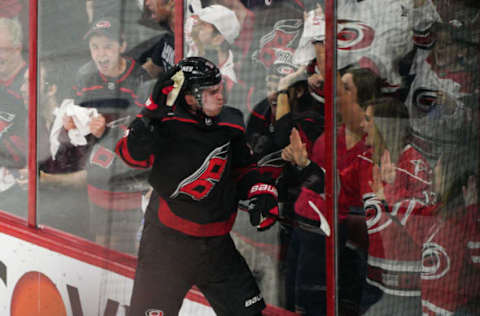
424 99
272 163
272 160
376 218
201 182
284 36
354 35
435 261
154 312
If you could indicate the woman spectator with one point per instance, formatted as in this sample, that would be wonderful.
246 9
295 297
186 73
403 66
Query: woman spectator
306 255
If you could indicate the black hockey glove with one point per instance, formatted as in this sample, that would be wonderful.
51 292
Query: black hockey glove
140 139
156 106
263 207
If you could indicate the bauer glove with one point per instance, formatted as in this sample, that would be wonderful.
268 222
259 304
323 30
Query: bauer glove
164 94
263 207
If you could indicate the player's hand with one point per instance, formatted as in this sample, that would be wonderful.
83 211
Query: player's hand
263 207
97 126
155 107
68 123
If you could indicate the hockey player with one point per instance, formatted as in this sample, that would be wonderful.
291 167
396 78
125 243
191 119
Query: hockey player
201 166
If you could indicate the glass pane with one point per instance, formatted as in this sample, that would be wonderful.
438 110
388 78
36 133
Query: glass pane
409 196
14 108
97 60
264 52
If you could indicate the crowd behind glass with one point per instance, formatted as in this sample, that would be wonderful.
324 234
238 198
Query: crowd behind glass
407 136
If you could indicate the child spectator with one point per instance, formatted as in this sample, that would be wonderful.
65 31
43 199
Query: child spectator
114 86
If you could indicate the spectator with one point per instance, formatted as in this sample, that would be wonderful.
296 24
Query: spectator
213 34
156 54
447 233
115 87
12 64
268 132
307 249
393 267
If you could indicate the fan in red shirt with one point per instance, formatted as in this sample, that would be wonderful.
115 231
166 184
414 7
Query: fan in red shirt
307 248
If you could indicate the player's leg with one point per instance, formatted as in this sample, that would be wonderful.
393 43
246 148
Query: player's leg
165 270
227 282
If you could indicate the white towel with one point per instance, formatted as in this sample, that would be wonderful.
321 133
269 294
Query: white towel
81 117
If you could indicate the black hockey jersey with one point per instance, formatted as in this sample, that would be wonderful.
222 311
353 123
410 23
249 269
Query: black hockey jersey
199 171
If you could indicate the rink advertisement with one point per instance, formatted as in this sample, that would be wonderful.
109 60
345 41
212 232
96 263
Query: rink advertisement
37 281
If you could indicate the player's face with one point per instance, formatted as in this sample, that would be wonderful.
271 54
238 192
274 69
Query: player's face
368 126
212 99
8 53
106 53
161 10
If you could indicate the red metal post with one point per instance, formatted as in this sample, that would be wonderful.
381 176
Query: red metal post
330 195
32 115
179 15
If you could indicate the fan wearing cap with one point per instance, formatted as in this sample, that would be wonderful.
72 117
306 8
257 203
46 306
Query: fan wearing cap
213 33
115 86
201 165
